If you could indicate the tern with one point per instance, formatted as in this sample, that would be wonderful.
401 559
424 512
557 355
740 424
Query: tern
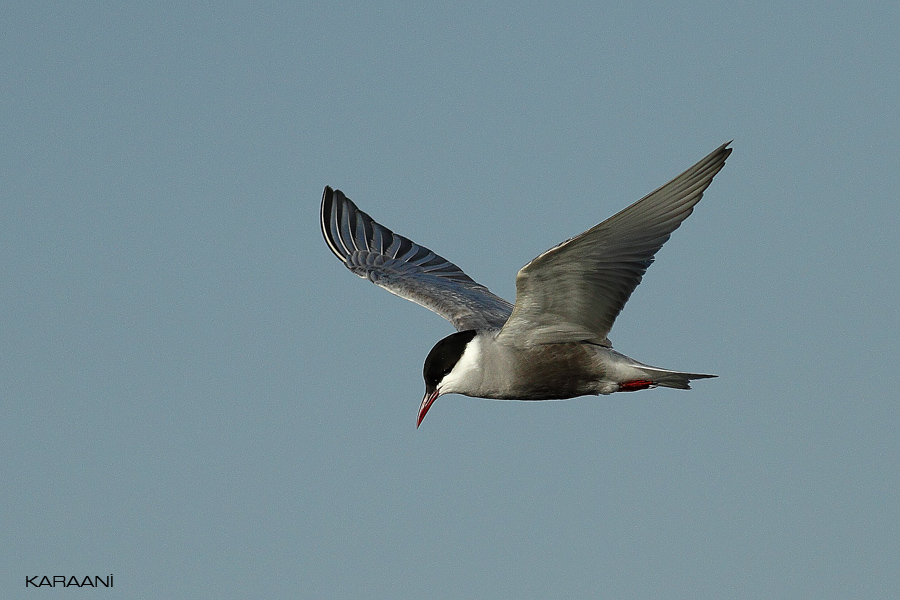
553 342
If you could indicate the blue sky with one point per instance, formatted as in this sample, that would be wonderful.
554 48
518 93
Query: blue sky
198 398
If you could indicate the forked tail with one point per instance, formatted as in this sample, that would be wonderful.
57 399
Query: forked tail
672 379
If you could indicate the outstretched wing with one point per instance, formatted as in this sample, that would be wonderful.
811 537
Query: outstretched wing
407 269
575 291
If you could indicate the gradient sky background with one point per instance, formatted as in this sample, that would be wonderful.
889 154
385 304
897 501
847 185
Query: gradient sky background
197 397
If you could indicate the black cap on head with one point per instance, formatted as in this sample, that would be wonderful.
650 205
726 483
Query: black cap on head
444 356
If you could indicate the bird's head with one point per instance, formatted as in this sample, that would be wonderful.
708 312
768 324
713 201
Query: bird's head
445 370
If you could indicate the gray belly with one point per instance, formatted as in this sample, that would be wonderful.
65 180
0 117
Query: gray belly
547 372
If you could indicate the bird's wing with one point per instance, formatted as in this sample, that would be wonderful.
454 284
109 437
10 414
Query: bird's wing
575 291
407 269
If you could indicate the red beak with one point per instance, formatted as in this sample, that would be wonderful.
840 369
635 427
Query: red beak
427 401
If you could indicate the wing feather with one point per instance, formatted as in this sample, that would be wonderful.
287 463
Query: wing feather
575 291
407 269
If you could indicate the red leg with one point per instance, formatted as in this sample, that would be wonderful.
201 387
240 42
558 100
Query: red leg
633 386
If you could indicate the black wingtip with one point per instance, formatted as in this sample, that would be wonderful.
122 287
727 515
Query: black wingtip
325 210
726 149
325 220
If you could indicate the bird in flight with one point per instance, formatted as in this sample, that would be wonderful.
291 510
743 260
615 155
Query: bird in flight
553 342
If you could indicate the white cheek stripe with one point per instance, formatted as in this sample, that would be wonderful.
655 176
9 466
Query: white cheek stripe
471 358
466 371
